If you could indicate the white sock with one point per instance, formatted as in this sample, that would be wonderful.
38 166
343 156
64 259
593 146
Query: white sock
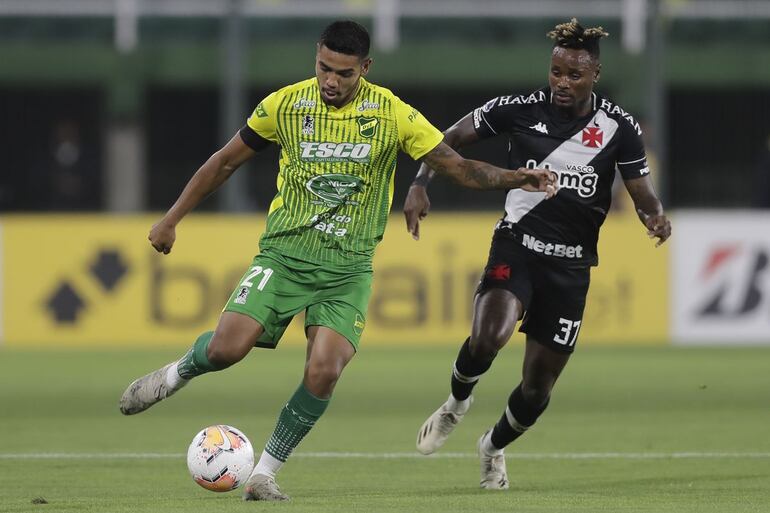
487 447
458 407
173 379
267 465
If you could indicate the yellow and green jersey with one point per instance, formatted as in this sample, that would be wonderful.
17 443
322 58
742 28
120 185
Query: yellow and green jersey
335 183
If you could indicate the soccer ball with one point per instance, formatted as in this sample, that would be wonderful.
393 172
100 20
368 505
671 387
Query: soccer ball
220 458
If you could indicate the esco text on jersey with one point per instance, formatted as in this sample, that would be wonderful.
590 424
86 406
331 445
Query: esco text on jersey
335 152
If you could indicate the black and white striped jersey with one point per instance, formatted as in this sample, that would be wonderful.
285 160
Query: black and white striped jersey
584 152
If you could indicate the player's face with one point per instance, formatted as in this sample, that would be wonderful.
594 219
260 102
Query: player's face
572 77
338 75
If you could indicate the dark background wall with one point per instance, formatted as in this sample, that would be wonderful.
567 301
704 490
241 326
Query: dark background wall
62 84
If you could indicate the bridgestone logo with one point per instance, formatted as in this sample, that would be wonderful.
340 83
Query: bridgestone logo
557 250
335 152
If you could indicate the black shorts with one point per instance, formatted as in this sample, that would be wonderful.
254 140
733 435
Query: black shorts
553 294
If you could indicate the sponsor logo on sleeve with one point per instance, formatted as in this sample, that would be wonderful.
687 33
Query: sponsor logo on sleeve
260 111
477 118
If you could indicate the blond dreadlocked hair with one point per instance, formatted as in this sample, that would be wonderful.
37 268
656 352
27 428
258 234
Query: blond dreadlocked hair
573 35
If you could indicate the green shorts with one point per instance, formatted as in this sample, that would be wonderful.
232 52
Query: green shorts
276 288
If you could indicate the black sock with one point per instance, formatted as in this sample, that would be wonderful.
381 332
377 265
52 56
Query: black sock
466 372
516 419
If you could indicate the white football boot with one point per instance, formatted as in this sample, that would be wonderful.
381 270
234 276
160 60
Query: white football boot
435 431
493 473
260 487
146 391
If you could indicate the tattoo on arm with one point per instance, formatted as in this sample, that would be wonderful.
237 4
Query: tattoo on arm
481 175
469 173
435 159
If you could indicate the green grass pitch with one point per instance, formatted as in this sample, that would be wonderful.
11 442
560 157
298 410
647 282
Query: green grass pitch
628 430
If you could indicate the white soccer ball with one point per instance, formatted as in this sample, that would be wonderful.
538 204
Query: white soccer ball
220 458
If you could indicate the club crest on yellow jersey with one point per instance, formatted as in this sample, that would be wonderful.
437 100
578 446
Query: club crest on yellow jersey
367 127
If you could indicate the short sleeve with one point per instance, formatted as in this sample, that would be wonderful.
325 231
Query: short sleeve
632 159
494 117
263 120
416 135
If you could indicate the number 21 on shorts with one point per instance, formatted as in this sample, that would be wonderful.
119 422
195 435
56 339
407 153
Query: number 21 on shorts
253 273
568 332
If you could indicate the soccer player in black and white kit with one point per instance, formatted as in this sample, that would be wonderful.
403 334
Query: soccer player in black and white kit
542 251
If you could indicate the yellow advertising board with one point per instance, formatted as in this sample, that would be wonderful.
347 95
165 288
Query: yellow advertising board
95 281
628 302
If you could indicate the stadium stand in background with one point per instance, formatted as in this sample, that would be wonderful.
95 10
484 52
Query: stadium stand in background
118 73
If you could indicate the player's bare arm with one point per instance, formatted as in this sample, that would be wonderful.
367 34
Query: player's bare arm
474 175
649 208
417 203
213 173
457 136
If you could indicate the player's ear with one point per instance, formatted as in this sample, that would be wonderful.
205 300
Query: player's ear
597 72
365 66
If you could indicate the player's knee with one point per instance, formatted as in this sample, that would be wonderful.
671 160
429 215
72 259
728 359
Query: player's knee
488 342
323 374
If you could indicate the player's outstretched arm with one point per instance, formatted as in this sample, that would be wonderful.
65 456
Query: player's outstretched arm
206 180
649 208
480 175
417 203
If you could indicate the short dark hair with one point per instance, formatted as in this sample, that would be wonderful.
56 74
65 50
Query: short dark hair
346 37
573 35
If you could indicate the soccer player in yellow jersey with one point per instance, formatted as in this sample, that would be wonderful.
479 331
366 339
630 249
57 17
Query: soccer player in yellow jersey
339 136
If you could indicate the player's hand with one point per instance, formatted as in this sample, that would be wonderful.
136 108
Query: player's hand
657 226
416 207
162 236
539 180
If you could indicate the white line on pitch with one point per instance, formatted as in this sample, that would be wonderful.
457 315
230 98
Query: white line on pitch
410 455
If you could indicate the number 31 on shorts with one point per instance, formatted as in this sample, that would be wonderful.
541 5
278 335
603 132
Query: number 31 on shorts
568 332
